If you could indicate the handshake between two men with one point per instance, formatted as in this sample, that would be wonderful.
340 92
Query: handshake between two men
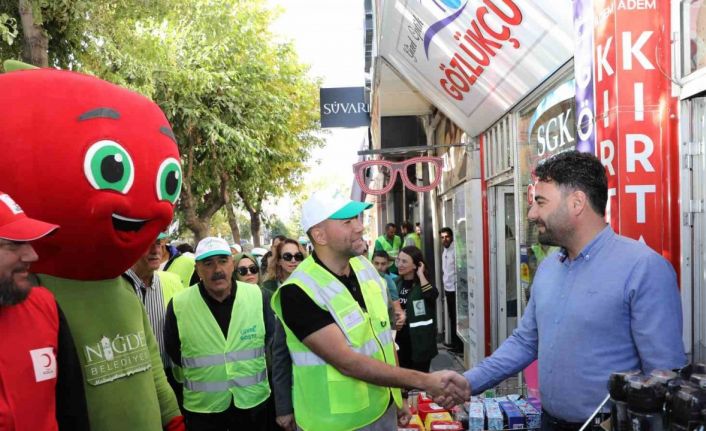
448 388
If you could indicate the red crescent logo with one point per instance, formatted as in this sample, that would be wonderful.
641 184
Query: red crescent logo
49 360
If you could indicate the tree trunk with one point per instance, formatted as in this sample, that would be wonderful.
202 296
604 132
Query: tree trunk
233 222
255 220
197 223
36 41
255 224
200 228
198 217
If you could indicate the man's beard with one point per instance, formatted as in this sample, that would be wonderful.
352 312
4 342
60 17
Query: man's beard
11 293
547 238
558 233
353 251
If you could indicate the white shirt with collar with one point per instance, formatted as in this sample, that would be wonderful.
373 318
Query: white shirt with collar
448 268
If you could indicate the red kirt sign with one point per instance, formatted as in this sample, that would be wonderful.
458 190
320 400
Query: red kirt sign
636 122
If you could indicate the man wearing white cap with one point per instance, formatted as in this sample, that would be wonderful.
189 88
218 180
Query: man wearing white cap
334 312
217 332
41 387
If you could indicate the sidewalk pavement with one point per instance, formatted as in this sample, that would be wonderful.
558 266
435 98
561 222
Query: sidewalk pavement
447 360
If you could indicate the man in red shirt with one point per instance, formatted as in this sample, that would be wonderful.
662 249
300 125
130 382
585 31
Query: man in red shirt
41 387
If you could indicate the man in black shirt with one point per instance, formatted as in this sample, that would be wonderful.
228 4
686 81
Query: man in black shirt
332 224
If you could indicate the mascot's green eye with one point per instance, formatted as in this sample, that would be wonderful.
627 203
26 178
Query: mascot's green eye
169 180
108 166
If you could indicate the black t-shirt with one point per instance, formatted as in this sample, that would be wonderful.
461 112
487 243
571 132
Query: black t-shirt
404 288
302 315
71 411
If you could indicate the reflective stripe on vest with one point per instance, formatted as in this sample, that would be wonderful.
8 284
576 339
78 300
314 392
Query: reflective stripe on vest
367 349
240 382
220 371
421 323
324 295
206 361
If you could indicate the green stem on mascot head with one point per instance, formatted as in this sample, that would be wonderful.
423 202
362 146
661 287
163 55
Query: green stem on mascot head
13 65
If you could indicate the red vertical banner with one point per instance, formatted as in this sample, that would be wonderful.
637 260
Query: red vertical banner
635 137
486 249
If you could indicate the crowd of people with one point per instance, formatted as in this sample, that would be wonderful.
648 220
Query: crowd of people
244 348
328 340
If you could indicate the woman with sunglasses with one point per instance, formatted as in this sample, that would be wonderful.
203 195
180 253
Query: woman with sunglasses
246 269
286 256
417 338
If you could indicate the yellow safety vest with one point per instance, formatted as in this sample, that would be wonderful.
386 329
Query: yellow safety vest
171 285
412 239
183 266
216 369
391 249
324 399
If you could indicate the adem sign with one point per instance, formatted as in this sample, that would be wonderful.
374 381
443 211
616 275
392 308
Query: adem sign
344 107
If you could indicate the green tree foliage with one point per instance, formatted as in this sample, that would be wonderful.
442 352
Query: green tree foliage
290 136
278 227
70 30
8 29
241 106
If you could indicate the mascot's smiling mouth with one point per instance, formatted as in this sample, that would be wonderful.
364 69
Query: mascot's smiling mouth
122 223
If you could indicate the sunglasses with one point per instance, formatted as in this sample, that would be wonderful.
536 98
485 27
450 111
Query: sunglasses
298 256
243 270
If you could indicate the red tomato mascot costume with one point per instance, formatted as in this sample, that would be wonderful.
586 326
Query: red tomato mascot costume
102 162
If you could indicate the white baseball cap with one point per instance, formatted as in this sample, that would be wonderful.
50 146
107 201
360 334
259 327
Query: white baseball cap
212 246
329 205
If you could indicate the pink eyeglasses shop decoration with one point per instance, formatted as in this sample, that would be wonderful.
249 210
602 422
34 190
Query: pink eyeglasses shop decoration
384 174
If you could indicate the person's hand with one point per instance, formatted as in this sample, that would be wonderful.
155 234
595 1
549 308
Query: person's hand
286 422
457 389
448 388
400 319
403 414
420 270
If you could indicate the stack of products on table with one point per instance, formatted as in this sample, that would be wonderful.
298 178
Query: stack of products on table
429 416
662 400
498 413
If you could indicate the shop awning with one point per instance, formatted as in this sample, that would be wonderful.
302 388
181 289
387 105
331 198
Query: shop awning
475 59
397 97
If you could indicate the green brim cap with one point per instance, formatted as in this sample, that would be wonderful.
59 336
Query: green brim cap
211 246
350 210
213 253
162 235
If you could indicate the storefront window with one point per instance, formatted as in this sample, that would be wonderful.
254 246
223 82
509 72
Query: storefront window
459 228
545 128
